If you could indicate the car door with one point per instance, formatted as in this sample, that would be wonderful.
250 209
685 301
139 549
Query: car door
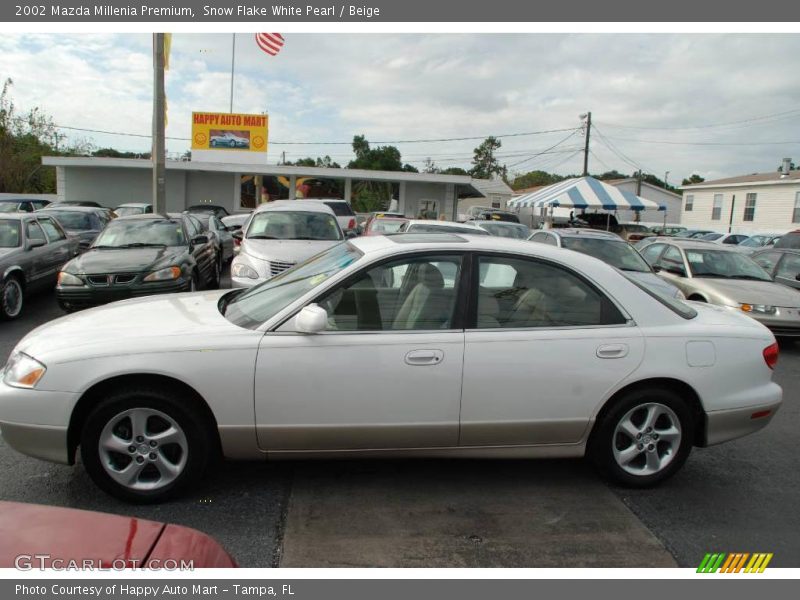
36 258
788 270
385 374
203 253
768 261
58 248
543 348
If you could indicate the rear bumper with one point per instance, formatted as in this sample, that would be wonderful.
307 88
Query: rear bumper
725 425
73 298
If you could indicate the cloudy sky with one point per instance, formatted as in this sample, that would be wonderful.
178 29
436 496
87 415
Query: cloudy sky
716 105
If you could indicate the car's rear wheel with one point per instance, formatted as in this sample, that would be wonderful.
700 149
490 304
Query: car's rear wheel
12 297
143 445
644 438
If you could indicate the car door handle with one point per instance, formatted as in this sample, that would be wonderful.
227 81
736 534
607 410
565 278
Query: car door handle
417 358
612 351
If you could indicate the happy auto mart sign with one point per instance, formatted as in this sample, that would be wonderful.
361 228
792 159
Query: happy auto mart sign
229 132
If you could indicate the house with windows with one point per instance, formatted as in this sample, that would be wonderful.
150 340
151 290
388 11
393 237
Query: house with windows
757 203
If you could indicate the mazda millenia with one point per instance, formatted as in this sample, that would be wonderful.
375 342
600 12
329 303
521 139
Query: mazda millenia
150 390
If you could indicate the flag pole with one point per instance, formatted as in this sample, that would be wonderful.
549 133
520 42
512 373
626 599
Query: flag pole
233 57
158 148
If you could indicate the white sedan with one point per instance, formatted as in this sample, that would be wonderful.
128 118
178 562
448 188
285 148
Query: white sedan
467 346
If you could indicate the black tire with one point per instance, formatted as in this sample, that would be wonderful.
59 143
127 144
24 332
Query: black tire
605 438
194 458
12 298
697 299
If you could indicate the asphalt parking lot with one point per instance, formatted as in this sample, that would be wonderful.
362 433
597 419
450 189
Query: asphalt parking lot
737 497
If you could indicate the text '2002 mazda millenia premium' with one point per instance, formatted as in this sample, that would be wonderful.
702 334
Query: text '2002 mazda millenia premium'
165 383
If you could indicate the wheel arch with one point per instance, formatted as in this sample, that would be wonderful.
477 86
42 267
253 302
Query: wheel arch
697 296
94 394
683 389
16 271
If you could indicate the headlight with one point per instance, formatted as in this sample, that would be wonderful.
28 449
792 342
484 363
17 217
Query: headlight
65 278
680 295
23 371
762 309
166 274
242 270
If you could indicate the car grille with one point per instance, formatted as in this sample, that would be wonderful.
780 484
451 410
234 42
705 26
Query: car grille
106 280
276 267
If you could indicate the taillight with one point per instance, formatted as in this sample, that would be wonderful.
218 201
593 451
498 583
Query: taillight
351 224
771 355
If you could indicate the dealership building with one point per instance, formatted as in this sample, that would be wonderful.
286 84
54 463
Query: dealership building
241 187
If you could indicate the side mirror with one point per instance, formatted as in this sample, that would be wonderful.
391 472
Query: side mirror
350 234
233 228
312 319
35 244
238 234
657 269
797 277
200 239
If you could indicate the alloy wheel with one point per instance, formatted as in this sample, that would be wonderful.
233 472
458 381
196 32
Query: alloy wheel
646 439
143 449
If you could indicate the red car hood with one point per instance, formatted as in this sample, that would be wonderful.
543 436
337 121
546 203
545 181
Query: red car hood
65 535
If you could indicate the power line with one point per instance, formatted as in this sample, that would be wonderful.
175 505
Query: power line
676 143
774 116
574 131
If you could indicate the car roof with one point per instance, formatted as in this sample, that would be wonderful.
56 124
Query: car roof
292 205
134 204
71 208
150 217
583 233
438 223
18 216
699 245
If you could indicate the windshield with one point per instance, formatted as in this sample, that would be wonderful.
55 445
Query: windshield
755 241
301 225
126 211
386 225
516 231
262 302
729 265
616 253
79 221
141 232
424 228
9 234
340 209
9 206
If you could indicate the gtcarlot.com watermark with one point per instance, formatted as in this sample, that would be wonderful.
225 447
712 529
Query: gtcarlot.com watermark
32 562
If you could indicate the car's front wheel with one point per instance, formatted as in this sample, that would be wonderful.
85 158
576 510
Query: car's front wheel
644 438
142 445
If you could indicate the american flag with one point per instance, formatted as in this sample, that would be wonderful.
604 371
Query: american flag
271 43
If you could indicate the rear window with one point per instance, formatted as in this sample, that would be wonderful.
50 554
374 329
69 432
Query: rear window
790 240
340 209
9 234
678 307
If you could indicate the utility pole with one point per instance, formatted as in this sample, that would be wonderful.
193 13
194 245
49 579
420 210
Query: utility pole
588 116
666 174
639 182
158 148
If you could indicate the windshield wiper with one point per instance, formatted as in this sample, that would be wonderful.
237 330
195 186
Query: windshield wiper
102 247
748 277
713 275
142 245
633 270
261 237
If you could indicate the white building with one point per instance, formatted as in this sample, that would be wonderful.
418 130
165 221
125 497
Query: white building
757 203
238 187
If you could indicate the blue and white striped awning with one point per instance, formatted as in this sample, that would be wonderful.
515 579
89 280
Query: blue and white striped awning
584 193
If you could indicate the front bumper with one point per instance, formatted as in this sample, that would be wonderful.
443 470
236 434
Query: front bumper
725 425
77 297
35 422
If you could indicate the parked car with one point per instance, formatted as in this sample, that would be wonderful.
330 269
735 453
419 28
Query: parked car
222 237
516 231
474 211
789 240
733 239
88 203
759 241
667 230
631 232
60 540
342 209
380 215
33 248
139 256
82 222
233 224
21 204
783 264
133 208
280 235
630 378
612 250
384 225
218 211
731 279
694 233
496 215
431 226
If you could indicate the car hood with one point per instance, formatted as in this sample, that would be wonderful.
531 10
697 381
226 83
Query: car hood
653 281
123 260
8 252
750 292
292 251
169 322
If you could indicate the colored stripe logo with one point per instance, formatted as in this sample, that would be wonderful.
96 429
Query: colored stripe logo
737 562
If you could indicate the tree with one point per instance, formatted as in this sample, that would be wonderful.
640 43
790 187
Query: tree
326 162
112 153
695 178
24 139
369 196
612 174
484 164
454 171
535 179
430 166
